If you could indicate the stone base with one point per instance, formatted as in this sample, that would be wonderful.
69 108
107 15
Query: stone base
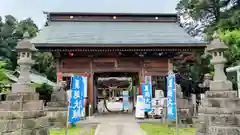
23 96
220 112
214 130
182 103
222 94
39 131
23 114
57 119
16 88
57 104
220 86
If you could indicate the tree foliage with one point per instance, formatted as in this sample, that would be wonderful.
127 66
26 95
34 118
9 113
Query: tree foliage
210 15
205 17
192 65
45 64
3 78
11 31
45 92
232 39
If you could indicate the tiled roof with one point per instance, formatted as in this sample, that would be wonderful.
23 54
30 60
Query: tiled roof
35 78
110 33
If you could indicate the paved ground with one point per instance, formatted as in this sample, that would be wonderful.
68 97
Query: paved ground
117 124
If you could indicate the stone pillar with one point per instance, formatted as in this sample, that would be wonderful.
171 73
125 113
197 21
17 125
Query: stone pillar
219 112
22 113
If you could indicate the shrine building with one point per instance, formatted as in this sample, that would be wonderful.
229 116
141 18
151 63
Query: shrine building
108 44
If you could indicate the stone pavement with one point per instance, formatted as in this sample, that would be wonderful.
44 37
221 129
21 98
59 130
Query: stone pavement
118 124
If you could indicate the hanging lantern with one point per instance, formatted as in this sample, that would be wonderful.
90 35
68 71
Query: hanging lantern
70 54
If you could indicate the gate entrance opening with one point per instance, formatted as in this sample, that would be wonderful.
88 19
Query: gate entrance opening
109 88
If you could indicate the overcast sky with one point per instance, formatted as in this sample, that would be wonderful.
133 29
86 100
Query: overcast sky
22 9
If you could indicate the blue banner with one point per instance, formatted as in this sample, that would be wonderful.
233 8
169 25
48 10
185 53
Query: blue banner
76 106
125 100
147 95
171 91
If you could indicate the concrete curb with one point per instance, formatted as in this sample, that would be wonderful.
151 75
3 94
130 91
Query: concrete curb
97 129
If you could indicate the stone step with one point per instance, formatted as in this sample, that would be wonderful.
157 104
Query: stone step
21 105
224 130
22 96
16 124
217 110
221 102
221 94
220 120
21 114
224 120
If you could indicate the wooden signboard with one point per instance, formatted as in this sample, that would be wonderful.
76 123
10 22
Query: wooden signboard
155 67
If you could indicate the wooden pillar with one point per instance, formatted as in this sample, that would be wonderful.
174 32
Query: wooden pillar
141 76
58 63
170 65
90 88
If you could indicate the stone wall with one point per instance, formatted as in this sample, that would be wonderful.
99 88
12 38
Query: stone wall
23 114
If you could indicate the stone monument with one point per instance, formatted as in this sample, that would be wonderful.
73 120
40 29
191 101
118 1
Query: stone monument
206 81
57 107
219 112
183 107
205 85
58 97
22 113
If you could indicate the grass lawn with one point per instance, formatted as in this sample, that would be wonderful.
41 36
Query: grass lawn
160 129
73 131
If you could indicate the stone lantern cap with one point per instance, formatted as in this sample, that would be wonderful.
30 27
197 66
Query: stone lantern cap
25 44
216 45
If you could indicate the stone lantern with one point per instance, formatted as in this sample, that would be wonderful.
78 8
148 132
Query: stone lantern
23 113
216 48
25 51
219 112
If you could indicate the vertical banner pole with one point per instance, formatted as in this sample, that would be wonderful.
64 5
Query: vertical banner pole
175 96
66 130
74 108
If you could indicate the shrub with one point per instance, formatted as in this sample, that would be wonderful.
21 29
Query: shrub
45 92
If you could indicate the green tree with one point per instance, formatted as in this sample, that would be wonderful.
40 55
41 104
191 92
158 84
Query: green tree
211 14
7 40
45 92
46 65
3 78
11 31
26 25
192 65
232 39
206 17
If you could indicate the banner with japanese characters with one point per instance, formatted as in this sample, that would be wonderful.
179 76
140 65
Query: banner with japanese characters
125 100
76 106
147 96
171 91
